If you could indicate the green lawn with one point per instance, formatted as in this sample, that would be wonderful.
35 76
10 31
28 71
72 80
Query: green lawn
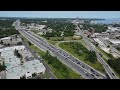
97 65
35 31
72 74
53 42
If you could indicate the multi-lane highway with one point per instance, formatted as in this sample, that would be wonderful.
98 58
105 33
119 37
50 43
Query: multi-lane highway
109 71
85 70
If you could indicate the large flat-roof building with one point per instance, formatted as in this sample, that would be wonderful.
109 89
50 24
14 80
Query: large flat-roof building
14 68
27 69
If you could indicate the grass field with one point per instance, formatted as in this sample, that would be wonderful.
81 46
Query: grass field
35 31
97 65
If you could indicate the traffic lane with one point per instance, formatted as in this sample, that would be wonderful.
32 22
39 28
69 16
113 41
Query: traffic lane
107 68
89 70
33 41
92 76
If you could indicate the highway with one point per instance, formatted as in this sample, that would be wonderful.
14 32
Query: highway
66 54
109 71
77 65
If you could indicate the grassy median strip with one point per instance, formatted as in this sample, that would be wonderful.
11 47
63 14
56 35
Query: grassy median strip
81 57
60 70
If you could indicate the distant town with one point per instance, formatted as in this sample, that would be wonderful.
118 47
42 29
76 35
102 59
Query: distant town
59 48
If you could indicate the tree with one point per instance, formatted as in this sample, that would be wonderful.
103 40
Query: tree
108 46
29 43
15 36
91 56
1 42
115 63
23 77
2 67
96 44
10 39
8 44
34 74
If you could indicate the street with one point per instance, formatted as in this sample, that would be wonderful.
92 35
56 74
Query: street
109 71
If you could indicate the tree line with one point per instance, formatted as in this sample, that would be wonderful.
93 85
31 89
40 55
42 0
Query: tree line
115 63
98 28
8 32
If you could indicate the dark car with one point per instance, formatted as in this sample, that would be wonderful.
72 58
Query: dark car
83 66
92 75
86 74
113 74
92 70
78 62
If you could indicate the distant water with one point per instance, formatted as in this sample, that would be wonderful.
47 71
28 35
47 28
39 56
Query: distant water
107 21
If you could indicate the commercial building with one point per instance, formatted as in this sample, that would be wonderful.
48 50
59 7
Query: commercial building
115 42
12 40
27 69
102 45
14 68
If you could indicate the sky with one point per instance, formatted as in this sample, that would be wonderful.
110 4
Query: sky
61 14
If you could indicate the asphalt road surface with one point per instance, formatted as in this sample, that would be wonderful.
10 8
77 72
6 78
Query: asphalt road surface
109 71
70 61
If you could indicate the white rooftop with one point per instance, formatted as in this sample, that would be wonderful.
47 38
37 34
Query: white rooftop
13 65
5 38
28 68
99 42
10 59
114 41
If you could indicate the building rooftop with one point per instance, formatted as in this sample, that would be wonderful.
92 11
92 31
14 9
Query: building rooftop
14 69
5 38
27 69
99 42
114 41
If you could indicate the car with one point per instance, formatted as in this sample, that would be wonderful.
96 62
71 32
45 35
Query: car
92 70
78 62
113 74
83 66
96 75
92 75
86 74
